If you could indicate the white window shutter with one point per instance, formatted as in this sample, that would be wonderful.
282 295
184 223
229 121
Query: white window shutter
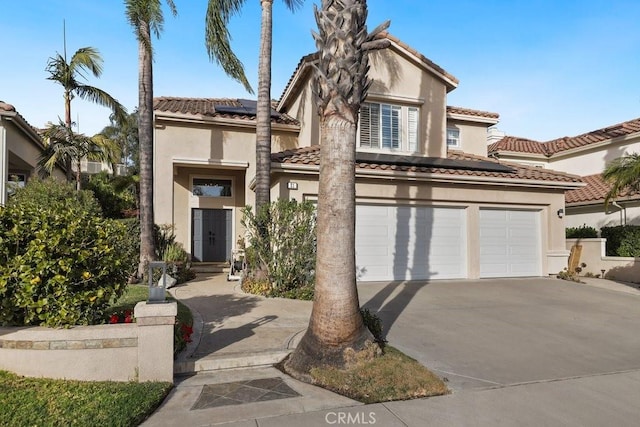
412 131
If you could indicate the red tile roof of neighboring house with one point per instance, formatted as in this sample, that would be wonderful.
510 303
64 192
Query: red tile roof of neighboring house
549 148
470 112
240 109
595 192
311 156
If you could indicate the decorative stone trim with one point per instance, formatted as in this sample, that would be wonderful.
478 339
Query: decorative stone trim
69 344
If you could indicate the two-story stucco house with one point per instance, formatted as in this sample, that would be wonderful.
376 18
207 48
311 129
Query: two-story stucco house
20 149
586 155
430 203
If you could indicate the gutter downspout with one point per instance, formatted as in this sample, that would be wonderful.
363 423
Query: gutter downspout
623 213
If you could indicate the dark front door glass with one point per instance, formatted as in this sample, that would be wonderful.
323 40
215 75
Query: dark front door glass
211 235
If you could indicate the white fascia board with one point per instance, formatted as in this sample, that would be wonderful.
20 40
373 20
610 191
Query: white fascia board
474 119
199 119
228 164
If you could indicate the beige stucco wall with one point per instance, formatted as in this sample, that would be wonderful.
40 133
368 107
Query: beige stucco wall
593 254
398 79
141 351
473 136
593 161
595 216
304 109
183 151
474 197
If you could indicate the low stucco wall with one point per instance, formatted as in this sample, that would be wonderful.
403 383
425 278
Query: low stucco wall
141 351
626 269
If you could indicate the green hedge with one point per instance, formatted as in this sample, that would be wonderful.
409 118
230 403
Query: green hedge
61 262
582 232
622 240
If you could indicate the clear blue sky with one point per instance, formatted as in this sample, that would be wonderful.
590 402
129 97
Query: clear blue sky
549 68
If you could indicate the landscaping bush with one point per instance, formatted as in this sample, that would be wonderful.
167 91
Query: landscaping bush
622 240
113 202
281 250
582 232
374 324
61 262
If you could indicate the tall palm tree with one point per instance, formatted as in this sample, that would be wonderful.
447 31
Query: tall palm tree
145 16
220 11
120 139
69 75
65 146
336 326
622 174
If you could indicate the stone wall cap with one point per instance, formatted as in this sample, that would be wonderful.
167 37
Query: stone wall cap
144 309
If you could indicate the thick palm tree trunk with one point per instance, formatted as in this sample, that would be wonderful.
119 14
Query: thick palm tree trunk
263 113
336 329
145 133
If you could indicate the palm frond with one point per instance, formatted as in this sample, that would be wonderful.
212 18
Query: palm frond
218 39
622 174
86 59
100 97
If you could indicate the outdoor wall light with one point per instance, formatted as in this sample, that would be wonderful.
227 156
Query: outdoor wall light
560 213
292 185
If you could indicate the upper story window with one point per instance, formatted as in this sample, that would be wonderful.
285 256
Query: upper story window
388 127
212 187
453 138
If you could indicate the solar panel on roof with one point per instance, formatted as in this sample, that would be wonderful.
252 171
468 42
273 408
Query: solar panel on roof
432 162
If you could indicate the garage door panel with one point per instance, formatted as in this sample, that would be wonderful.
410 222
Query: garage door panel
509 243
418 242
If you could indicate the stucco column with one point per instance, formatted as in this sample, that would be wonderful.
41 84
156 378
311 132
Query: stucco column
4 166
155 340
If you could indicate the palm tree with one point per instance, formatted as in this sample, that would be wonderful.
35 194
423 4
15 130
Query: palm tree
622 174
217 36
69 76
145 16
120 140
65 146
336 327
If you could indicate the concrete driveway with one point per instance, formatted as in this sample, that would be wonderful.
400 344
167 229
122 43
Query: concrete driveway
493 333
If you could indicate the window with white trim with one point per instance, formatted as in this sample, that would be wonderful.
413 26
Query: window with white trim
388 127
453 137
211 187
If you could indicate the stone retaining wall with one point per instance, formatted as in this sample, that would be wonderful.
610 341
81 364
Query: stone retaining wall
141 351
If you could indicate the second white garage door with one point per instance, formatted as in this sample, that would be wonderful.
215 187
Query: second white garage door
410 243
509 243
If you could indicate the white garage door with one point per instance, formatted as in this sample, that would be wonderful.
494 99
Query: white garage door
410 243
509 243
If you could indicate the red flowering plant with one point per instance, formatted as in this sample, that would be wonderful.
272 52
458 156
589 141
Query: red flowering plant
125 316
182 335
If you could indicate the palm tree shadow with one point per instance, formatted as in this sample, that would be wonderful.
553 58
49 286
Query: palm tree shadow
390 309
219 338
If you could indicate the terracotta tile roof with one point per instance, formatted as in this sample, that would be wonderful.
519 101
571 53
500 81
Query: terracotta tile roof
242 109
595 192
549 148
6 107
519 145
470 112
311 156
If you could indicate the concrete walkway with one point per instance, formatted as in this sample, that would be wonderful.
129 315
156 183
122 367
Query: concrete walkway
249 333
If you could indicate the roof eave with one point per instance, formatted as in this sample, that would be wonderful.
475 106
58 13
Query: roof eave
469 118
223 121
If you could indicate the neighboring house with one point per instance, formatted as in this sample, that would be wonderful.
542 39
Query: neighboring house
586 155
430 204
20 150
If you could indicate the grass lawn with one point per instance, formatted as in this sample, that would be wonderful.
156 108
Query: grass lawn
392 376
46 402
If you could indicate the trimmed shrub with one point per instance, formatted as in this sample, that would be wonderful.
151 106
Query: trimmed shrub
281 250
61 262
582 232
622 240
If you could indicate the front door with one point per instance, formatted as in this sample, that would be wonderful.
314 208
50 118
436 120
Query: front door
211 235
